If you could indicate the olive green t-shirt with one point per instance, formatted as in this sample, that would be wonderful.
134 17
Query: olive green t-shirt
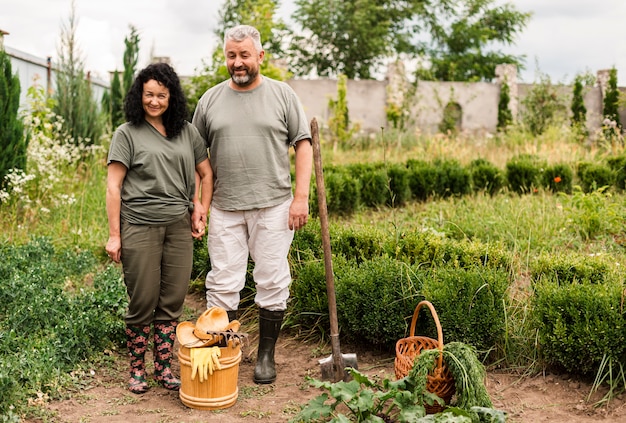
249 134
160 179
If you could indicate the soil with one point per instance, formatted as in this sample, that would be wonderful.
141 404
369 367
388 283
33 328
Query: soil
105 399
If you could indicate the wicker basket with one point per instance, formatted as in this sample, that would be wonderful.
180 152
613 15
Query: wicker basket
440 381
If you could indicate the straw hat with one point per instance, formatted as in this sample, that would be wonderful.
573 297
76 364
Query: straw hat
214 319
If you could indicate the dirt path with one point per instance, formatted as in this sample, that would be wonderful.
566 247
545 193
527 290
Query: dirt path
551 398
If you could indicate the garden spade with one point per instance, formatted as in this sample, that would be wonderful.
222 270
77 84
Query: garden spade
333 367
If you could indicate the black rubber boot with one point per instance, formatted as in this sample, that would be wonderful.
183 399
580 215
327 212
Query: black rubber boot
269 328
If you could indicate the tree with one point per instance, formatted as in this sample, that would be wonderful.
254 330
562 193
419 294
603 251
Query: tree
461 38
579 111
611 100
356 37
542 106
351 37
74 97
131 57
117 101
13 143
262 15
505 117
119 88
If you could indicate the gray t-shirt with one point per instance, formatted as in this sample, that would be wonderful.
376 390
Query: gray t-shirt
160 181
248 134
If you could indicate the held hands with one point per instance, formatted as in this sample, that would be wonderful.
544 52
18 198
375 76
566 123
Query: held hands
198 220
204 361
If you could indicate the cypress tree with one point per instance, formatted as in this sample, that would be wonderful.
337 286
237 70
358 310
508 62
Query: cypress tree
611 99
505 117
13 142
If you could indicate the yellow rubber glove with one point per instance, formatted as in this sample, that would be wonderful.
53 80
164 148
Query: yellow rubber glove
201 363
215 355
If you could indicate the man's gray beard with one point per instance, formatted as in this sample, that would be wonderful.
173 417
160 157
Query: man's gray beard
244 81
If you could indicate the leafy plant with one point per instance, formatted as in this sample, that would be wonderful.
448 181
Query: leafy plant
365 400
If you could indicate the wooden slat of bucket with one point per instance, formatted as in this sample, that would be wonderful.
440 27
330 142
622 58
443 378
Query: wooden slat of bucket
219 390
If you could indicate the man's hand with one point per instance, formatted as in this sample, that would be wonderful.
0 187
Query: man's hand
298 213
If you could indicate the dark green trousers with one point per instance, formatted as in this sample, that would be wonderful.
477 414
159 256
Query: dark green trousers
157 263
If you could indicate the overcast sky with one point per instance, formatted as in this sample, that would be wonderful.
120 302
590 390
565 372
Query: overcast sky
563 38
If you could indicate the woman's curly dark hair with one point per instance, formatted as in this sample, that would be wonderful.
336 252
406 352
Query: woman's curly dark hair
176 114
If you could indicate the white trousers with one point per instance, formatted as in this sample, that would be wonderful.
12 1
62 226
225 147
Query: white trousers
263 235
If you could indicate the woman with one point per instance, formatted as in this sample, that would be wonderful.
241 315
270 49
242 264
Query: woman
154 214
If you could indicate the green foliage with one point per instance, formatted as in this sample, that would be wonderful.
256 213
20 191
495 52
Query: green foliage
568 268
13 143
399 188
120 85
73 95
470 304
53 319
618 165
591 214
452 179
505 116
343 192
116 101
522 173
339 120
486 177
594 176
452 119
348 37
434 250
374 179
422 179
462 36
579 111
365 400
610 108
558 178
580 324
131 57
372 297
542 106
357 245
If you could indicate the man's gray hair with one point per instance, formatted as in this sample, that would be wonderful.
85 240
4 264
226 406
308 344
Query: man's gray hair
241 32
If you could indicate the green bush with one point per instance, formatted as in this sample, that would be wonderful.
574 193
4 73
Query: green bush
618 165
452 179
470 304
558 178
594 176
422 179
486 177
426 248
342 192
374 183
372 299
580 325
308 305
567 268
59 311
357 245
522 173
399 187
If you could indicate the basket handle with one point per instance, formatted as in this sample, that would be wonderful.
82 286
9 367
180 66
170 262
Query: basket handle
436 319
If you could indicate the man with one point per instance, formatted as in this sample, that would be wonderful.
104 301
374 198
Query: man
249 122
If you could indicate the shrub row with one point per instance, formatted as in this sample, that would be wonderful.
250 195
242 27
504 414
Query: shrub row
371 185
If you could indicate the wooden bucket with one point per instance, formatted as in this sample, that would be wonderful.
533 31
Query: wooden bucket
219 390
